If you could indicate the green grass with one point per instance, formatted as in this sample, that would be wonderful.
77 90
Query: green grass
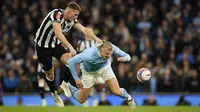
99 109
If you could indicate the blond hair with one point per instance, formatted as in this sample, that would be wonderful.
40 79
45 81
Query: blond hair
107 45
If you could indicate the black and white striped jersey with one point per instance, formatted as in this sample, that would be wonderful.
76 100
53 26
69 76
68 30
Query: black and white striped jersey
83 44
45 36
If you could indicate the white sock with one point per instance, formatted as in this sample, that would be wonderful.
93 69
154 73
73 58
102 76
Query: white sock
43 101
125 95
129 97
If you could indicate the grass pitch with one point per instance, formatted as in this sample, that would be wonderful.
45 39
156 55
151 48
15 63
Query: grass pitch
99 109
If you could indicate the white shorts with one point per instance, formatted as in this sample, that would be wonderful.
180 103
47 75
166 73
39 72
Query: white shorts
91 78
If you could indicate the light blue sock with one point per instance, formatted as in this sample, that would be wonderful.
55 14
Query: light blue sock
125 95
74 91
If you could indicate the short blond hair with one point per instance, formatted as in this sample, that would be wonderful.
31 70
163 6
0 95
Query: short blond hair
106 44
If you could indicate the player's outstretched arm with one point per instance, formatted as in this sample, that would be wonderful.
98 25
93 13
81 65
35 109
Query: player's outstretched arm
122 56
72 66
89 34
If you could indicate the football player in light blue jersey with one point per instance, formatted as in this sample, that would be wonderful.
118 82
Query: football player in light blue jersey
95 64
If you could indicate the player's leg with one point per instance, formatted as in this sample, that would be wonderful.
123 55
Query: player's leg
41 85
51 84
82 94
62 54
64 58
111 81
88 82
50 79
114 87
45 61
42 95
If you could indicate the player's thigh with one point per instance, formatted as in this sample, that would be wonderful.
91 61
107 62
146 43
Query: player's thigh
87 79
44 56
108 75
114 85
61 53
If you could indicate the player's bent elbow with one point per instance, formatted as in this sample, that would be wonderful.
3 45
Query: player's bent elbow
129 57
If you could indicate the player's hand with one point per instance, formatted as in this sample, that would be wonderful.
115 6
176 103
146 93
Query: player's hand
99 40
72 52
121 59
79 84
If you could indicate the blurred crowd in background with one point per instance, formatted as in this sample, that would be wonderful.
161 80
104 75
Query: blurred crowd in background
162 35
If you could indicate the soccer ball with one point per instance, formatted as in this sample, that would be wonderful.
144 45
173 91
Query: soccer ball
143 74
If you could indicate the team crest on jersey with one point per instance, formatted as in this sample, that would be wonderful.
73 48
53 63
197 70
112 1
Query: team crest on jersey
58 15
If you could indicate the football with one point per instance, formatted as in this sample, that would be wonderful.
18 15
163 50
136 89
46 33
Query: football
143 74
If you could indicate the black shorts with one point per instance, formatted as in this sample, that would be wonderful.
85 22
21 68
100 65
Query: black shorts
45 55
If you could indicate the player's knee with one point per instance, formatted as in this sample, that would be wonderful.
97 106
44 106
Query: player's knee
68 56
65 57
82 100
50 76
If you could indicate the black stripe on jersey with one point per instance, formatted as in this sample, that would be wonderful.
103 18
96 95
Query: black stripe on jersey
85 45
90 42
63 26
51 40
56 41
45 36
42 28
68 27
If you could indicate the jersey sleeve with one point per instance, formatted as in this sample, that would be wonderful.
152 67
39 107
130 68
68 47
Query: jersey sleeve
56 16
121 53
75 60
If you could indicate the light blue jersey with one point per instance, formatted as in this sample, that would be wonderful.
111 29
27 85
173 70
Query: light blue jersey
92 61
